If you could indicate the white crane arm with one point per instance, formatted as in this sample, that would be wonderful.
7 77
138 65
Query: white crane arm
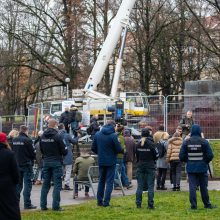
121 20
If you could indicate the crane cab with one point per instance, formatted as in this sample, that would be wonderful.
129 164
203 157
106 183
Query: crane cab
136 103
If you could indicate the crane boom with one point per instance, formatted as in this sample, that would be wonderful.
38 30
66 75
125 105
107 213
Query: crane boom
120 21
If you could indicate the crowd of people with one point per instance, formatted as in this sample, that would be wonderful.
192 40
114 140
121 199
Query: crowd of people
114 144
186 146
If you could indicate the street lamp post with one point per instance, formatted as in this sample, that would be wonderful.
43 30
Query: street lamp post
67 80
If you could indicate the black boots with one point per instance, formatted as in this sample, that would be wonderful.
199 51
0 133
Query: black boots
161 187
176 188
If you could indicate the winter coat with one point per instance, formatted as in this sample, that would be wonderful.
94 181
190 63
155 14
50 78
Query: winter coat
72 116
146 154
68 141
106 145
78 116
174 145
161 162
183 122
94 126
52 146
65 118
122 142
9 177
196 152
82 165
130 148
24 150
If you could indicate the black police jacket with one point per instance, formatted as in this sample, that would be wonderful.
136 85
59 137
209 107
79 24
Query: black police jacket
52 146
23 148
146 154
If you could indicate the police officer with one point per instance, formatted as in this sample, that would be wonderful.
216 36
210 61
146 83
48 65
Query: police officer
146 155
197 154
53 149
25 155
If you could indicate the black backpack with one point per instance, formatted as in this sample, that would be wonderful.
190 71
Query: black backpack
161 148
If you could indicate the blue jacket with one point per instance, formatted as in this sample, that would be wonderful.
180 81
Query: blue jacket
106 145
196 166
68 141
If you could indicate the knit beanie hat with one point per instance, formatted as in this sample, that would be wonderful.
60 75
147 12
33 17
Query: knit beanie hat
3 137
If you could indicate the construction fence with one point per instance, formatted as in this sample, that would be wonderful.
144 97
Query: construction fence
9 122
161 110
205 108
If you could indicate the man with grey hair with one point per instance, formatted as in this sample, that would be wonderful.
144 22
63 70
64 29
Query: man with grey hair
53 149
25 155
107 146
186 123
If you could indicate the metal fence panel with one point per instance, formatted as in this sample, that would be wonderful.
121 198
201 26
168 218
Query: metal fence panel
166 111
8 122
205 108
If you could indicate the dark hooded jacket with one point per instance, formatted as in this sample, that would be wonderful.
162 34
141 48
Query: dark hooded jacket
196 152
65 117
52 146
106 145
146 153
24 150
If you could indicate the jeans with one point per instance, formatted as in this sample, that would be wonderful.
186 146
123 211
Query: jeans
68 170
105 186
25 176
74 125
51 171
39 177
202 180
176 167
124 178
143 173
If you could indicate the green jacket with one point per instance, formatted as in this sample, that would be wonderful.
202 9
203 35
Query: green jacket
122 142
82 165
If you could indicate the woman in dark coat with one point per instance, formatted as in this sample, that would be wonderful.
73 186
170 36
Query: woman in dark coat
9 176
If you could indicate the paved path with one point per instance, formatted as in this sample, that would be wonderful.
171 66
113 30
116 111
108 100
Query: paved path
67 196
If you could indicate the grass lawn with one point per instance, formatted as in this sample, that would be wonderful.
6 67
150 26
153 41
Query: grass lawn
168 205
215 144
